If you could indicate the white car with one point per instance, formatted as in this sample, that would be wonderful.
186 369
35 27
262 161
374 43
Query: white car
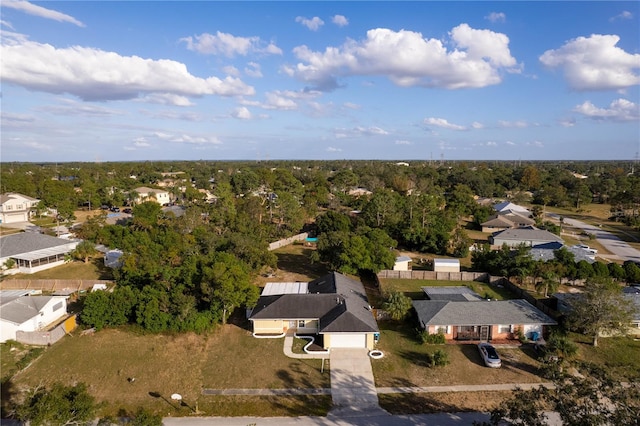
489 355
587 248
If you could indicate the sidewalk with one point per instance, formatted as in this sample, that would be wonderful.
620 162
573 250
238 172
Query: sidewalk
288 344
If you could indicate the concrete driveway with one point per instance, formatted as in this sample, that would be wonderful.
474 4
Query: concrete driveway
353 389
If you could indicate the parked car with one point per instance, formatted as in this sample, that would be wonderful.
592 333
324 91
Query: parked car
115 209
489 355
127 210
587 248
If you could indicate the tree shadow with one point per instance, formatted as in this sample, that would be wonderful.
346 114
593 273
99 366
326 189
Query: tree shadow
471 352
412 403
104 272
7 391
417 358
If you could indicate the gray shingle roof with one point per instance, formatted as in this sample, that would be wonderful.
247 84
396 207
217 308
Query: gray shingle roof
23 308
339 302
517 311
527 234
26 242
451 293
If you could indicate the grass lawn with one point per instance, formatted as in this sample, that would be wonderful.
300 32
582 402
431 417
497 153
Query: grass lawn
294 264
413 288
404 363
182 363
620 355
75 270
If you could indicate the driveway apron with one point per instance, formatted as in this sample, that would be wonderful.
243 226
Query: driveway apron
352 384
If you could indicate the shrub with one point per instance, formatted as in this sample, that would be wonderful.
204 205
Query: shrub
440 358
431 339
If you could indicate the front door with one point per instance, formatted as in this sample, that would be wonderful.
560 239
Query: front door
484 333
293 324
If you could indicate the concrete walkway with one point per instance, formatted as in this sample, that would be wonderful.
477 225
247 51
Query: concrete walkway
288 345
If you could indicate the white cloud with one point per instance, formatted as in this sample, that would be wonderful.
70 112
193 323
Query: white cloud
510 143
622 16
97 75
619 110
166 99
313 24
275 100
359 131
188 139
253 69
595 63
477 125
231 70
228 45
340 20
141 142
408 59
332 149
351 105
71 107
491 143
496 17
536 144
40 11
173 115
520 124
241 113
37 146
443 123
6 24
402 142
568 122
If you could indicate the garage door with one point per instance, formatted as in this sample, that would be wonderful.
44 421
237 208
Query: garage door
348 340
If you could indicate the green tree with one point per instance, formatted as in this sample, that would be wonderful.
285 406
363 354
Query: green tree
601 308
397 305
226 284
60 405
84 251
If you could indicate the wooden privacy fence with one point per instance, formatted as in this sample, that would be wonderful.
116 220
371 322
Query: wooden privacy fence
470 276
287 241
432 275
51 285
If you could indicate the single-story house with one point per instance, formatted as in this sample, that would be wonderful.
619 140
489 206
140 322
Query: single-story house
16 207
144 193
446 265
546 252
529 236
335 307
460 314
505 206
22 311
506 220
402 263
33 252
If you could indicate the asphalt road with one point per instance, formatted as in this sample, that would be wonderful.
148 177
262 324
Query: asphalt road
615 245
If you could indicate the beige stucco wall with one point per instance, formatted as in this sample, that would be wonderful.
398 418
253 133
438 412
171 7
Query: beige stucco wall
268 326
370 342
326 341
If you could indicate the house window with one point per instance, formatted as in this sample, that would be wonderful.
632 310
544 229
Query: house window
444 329
9 207
301 323
57 306
502 328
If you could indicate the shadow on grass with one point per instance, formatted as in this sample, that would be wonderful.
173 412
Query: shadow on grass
420 359
471 352
104 272
300 263
414 404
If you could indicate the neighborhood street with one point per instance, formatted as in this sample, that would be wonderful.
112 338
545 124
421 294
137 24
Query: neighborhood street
615 245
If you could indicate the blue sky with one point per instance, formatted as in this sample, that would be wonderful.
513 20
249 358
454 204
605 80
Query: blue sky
476 80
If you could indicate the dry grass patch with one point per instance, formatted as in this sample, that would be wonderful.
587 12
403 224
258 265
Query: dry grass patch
266 406
294 264
405 362
450 402
413 288
182 363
